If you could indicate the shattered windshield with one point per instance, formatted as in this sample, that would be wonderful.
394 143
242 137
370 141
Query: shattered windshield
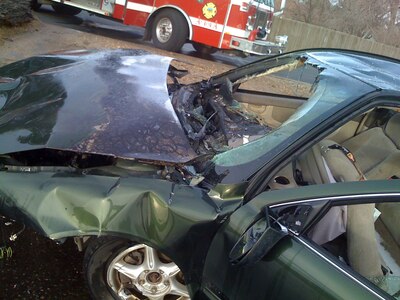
291 96
230 110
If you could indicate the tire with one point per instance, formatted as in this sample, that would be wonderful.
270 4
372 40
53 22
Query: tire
66 9
169 30
204 49
35 5
142 271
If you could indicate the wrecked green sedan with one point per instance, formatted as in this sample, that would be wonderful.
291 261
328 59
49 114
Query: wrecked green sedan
276 180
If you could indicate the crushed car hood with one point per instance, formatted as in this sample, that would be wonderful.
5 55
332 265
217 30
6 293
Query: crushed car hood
123 110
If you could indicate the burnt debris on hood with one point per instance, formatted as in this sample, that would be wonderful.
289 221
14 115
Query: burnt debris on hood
212 119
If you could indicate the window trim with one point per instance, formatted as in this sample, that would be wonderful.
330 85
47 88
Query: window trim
319 251
353 275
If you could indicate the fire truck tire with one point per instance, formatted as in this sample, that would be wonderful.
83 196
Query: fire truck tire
204 49
35 5
170 30
66 9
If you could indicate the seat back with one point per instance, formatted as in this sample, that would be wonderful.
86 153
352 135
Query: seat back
375 145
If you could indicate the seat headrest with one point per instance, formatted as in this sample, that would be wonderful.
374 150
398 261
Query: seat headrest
392 129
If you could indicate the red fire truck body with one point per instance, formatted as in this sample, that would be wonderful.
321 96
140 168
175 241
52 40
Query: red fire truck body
210 24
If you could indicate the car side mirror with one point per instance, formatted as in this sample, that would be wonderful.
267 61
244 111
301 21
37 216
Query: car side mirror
256 241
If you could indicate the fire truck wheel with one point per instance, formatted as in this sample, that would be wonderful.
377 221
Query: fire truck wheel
66 9
170 30
35 5
204 49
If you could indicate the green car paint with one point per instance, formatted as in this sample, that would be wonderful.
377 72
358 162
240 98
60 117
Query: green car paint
294 268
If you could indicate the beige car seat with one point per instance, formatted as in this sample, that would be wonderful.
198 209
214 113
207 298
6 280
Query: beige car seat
378 154
328 162
378 149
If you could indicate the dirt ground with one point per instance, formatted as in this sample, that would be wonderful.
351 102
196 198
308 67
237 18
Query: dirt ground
38 267
40 38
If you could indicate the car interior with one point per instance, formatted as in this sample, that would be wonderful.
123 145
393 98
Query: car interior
365 237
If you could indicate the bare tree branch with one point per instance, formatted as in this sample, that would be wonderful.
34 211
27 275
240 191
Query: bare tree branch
369 19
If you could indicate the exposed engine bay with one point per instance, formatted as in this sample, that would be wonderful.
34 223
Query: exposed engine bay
213 121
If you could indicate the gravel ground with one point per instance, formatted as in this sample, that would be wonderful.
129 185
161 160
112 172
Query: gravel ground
39 38
41 269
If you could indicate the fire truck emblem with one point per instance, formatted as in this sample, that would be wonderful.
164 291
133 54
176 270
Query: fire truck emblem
209 10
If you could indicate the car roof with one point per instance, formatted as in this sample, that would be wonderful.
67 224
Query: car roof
376 70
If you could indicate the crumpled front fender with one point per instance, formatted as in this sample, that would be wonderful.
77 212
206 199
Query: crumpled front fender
178 220
67 204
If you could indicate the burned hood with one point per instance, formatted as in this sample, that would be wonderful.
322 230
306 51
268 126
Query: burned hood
105 102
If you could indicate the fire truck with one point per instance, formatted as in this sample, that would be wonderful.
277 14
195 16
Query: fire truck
209 24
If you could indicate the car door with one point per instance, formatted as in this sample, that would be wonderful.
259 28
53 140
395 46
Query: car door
265 250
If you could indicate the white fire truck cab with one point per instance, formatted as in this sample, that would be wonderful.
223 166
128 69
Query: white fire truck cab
209 24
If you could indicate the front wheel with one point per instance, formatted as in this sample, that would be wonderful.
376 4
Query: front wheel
66 9
169 30
121 269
